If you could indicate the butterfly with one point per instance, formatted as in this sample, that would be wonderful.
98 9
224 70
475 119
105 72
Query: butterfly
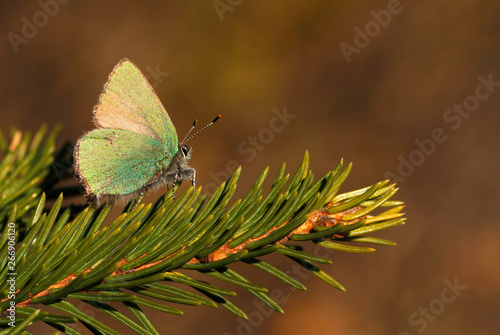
134 147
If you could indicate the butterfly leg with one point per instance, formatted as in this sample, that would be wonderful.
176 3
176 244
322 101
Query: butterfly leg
175 180
134 203
179 176
185 174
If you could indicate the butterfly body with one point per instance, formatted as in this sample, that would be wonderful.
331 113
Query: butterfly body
134 147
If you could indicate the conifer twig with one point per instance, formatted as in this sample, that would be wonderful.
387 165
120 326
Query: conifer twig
65 253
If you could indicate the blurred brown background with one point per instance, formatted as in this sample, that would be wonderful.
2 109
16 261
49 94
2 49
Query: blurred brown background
370 104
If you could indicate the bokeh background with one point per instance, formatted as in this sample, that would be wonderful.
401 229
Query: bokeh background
244 59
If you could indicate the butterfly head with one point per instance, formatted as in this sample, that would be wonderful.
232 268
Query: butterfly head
185 151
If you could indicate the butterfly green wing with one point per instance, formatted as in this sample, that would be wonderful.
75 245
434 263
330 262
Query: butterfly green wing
117 162
129 102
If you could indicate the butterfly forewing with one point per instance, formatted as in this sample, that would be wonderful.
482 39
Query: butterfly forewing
129 102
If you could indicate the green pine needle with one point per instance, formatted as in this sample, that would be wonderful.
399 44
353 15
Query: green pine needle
133 259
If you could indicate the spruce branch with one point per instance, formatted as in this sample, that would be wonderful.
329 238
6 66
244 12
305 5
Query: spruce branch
25 162
71 254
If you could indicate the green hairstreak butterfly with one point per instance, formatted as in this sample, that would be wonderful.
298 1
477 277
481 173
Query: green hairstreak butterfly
134 147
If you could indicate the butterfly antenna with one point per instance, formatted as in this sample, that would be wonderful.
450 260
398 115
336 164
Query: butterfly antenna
199 131
189 132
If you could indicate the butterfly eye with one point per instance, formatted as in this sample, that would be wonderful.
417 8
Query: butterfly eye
185 150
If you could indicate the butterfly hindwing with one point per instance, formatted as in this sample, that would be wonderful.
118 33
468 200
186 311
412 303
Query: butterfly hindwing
118 162
128 102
